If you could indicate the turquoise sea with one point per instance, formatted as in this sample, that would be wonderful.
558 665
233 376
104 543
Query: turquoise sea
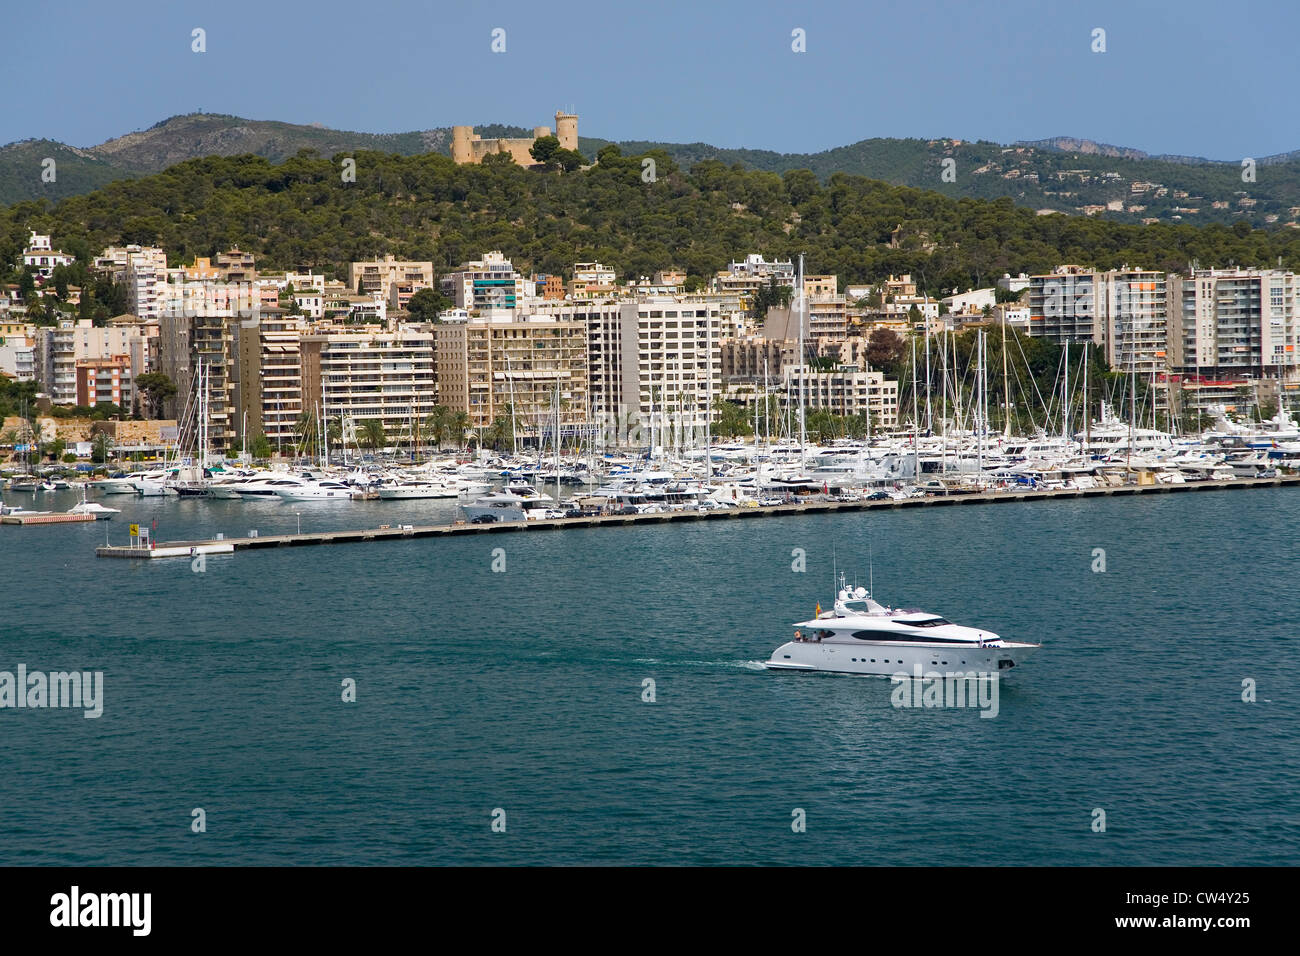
523 690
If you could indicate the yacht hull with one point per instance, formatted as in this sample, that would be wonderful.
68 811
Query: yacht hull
884 659
407 494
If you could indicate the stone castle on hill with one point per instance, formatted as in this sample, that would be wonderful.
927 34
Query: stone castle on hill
468 147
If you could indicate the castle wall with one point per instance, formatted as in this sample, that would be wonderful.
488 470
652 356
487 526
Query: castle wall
468 147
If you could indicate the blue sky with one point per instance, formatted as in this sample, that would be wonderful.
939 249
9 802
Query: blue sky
1194 77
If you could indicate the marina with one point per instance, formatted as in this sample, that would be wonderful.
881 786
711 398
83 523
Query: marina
819 506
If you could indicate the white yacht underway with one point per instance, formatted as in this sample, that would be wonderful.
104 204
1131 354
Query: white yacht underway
861 636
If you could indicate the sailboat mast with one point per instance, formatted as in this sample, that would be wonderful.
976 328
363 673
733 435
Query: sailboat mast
1087 411
916 418
929 421
1006 382
1065 395
803 367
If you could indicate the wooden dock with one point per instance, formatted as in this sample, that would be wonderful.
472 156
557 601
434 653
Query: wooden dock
191 549
45 517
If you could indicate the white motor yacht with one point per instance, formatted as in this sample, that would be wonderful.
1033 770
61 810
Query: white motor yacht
322 489
861 636
417 488
516 503
153 484
100 512
267 487
115 486
88 507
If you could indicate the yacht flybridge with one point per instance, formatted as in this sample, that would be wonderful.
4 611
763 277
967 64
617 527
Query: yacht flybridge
862 636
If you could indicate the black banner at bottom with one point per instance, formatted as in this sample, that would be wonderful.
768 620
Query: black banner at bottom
336 905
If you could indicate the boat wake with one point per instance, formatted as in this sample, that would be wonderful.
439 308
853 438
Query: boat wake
732 665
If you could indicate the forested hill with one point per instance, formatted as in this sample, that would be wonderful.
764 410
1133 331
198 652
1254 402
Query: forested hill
1062 174
301 214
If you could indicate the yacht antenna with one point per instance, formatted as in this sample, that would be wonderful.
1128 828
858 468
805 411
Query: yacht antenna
871 569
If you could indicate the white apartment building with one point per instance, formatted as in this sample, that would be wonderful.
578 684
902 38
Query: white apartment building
592 279
487 283
143 270
844 390
1124 312
59 349
18 350
748 276
669 363
368 373
1235 322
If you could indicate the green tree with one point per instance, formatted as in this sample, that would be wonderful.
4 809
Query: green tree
458 427
730 420
772 295
372 435
156 388
100 447
435 425
544 149
305 432
569 159
501 433
260 447
426 304
885 350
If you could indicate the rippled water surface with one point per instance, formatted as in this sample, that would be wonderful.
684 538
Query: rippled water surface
522 690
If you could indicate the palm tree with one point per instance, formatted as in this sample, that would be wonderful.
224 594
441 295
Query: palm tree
501 433
458 426
372 434
305 430
437 423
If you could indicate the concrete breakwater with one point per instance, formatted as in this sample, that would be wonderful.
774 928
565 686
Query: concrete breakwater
812 506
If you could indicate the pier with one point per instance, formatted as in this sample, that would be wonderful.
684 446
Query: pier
45 517
178 549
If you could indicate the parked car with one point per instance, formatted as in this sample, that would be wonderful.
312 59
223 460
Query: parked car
879 496
484 519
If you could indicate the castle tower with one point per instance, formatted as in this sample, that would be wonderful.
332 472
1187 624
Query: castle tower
540 131
460 148
566 129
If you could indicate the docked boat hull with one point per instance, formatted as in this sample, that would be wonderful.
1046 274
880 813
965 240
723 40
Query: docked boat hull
404 493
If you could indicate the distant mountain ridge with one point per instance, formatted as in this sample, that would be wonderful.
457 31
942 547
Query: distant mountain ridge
1086 147
1058 174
